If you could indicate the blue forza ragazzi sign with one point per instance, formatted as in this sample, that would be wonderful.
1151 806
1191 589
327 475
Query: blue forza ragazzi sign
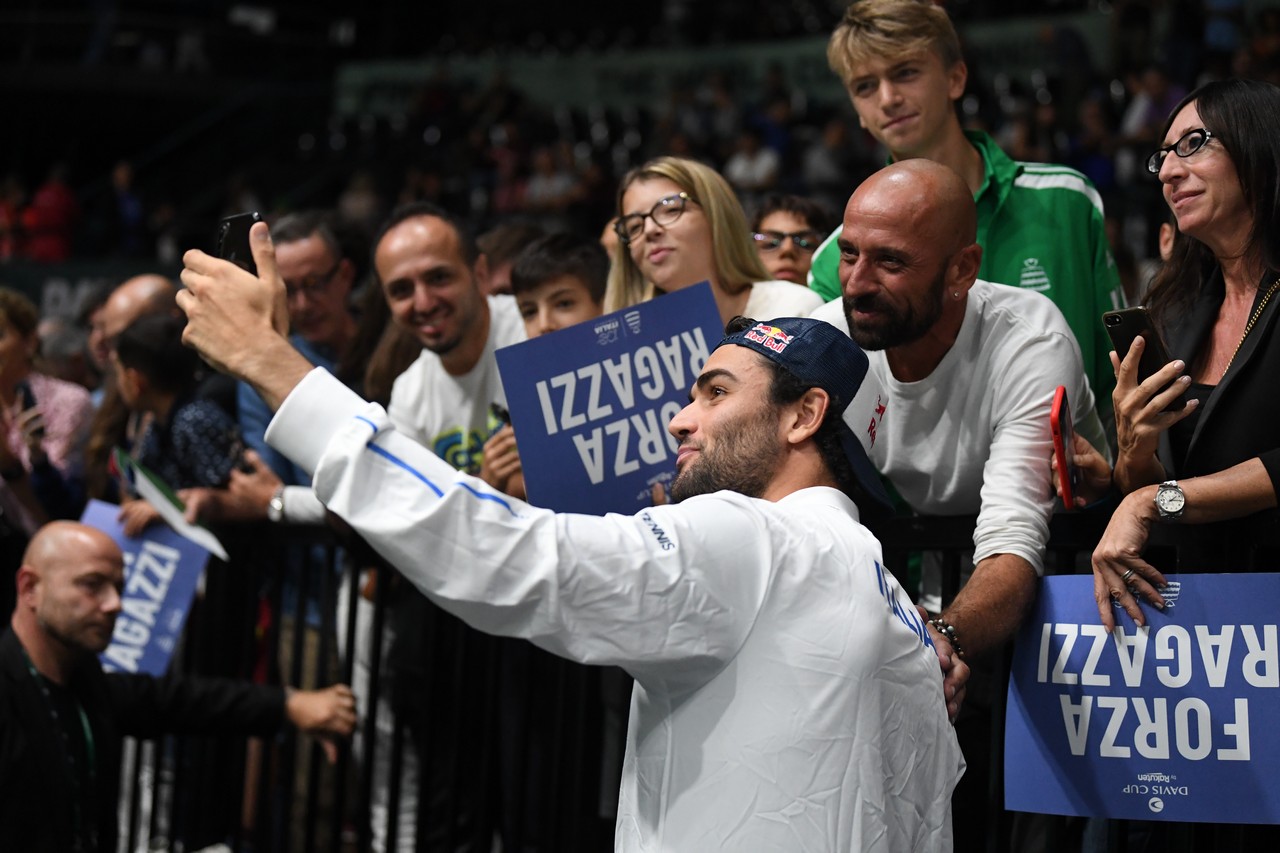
161 572
1171 721
590 404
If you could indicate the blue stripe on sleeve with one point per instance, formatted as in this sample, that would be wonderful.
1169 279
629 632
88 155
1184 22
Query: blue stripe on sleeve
489 496
395 460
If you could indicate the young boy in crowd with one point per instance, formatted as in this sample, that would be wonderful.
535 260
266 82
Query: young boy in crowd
189 443
558 281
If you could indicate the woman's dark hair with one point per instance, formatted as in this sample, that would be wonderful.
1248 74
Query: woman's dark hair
394 351
152 345
1241 115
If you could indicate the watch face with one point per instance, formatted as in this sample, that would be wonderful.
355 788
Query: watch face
1171 500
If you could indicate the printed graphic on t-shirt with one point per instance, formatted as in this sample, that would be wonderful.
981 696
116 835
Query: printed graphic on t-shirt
1034 276
464 448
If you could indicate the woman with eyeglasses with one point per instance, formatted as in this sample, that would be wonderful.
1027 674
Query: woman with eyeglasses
1207 472
679 223
786 230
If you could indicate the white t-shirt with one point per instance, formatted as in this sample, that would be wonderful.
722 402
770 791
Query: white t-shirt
973 437
770 300
450 415
786 695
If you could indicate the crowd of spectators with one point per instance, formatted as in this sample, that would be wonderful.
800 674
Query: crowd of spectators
493 153
516 170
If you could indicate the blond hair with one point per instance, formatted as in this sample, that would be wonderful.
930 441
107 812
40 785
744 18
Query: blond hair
734 261
888 29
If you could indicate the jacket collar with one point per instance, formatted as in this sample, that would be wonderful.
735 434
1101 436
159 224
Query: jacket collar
1187 337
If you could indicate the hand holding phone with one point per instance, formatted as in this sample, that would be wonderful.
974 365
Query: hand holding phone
28 404
1123 327
233 240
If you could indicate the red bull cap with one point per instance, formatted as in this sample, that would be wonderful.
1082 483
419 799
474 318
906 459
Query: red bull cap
820 356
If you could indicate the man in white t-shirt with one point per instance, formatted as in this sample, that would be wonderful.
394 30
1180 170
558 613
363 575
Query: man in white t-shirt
425 262
787 696
425 265
967 373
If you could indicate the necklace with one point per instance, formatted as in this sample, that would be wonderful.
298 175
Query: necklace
1257 312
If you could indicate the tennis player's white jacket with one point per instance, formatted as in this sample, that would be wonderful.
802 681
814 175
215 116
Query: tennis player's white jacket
787 698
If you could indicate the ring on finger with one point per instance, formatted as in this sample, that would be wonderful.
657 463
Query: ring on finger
1124 578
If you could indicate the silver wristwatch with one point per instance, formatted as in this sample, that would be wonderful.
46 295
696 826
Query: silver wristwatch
1171 502
275 506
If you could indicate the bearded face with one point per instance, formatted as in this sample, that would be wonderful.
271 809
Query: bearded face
877 322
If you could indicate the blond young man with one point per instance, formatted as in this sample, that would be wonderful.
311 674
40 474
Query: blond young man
1040 225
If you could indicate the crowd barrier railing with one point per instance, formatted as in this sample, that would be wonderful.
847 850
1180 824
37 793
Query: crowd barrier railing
464 737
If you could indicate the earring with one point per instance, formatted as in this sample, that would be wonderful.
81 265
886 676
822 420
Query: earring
955 294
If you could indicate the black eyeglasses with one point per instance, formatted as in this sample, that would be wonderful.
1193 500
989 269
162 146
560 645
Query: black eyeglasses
805 241
312 287
1187 144
664 213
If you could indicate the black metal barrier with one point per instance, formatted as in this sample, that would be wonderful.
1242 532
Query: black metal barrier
499 739
979 815
504 740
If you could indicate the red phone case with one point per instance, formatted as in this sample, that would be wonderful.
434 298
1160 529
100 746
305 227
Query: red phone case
1060 423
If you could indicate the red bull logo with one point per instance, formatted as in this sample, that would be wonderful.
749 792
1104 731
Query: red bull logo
876 417
768 336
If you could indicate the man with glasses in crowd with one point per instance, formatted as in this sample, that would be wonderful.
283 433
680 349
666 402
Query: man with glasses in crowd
319 278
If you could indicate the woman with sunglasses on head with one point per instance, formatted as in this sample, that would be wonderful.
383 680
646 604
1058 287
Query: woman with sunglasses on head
679 223
1207 472
786 230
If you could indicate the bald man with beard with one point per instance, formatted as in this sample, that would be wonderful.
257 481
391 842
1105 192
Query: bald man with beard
967 372
62 718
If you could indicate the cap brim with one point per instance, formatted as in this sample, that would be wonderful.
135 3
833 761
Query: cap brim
862 417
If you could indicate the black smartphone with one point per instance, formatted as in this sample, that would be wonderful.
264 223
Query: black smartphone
233 240
29 402
1063 431
1125 325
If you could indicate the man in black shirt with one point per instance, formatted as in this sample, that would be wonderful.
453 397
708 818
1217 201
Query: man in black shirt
62 718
